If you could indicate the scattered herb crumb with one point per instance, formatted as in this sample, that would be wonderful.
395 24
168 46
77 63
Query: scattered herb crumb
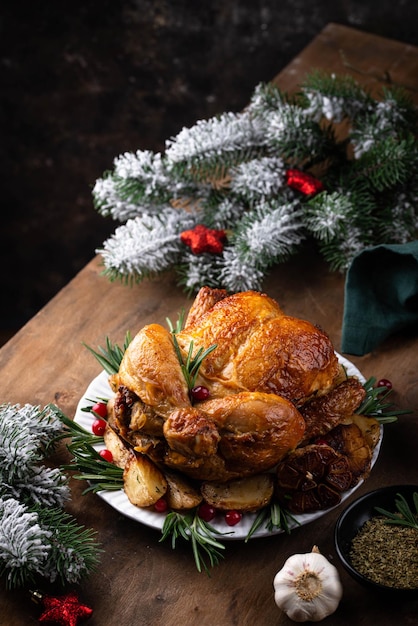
386 554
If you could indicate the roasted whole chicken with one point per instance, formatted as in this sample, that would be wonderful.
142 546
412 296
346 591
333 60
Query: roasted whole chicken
272 385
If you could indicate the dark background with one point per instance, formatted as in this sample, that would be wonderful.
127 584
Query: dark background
82 82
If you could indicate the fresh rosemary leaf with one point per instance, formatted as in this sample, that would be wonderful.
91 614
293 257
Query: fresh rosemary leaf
375 404
86 460
179 324
111 356
191 366
192 528
77 433
274 517
261 517
404 516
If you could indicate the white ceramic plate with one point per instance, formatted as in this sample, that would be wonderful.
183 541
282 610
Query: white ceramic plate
99 389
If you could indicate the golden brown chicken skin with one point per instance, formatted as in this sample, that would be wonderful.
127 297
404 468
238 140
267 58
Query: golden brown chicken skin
151 369
260 349
266 365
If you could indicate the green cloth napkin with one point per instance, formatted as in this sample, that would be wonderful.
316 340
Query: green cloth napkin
381 296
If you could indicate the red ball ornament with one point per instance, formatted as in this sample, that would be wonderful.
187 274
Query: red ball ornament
303 182
203 239
64 610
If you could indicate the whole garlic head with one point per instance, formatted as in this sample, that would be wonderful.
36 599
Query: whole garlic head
308 587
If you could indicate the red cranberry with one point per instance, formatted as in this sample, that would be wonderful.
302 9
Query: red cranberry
206 512
200 393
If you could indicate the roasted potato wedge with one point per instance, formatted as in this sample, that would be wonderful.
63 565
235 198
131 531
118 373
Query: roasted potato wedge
370 428
244 494
181 494
144 483
116 446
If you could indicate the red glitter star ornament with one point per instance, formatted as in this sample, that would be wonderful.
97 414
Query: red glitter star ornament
64 610
303 182
203 239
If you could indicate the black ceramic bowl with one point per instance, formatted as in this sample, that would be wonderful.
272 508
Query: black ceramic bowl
353 518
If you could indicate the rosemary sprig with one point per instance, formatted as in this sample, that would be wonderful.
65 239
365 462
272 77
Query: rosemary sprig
190 367
404 515
179 324
375 404
273 517
111 356
78 434
190 527
101 474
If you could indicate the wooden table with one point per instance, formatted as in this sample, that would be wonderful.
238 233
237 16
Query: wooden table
141 581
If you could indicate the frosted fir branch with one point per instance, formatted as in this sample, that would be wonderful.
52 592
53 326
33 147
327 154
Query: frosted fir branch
258 178
141 182
396 110
332 108
340 251
270 233
351 245
334 97
197 270
43 541
212 161
25 433
327 214
401 217
387 163
108 200
74 551
146 245
42 486
296 137
386 122
267 97
237 275
216 138
19 450
151 177
144 165
225 214
44 423
24 545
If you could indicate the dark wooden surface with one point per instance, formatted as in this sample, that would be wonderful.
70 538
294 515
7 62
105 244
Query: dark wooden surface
143 582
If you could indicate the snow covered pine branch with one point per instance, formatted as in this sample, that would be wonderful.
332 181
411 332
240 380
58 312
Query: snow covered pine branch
249 188
38 539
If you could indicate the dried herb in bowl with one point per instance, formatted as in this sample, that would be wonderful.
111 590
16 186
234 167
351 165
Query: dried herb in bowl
385 550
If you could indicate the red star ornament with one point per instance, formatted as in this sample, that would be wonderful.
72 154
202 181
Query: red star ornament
303 182
64 610
203 239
